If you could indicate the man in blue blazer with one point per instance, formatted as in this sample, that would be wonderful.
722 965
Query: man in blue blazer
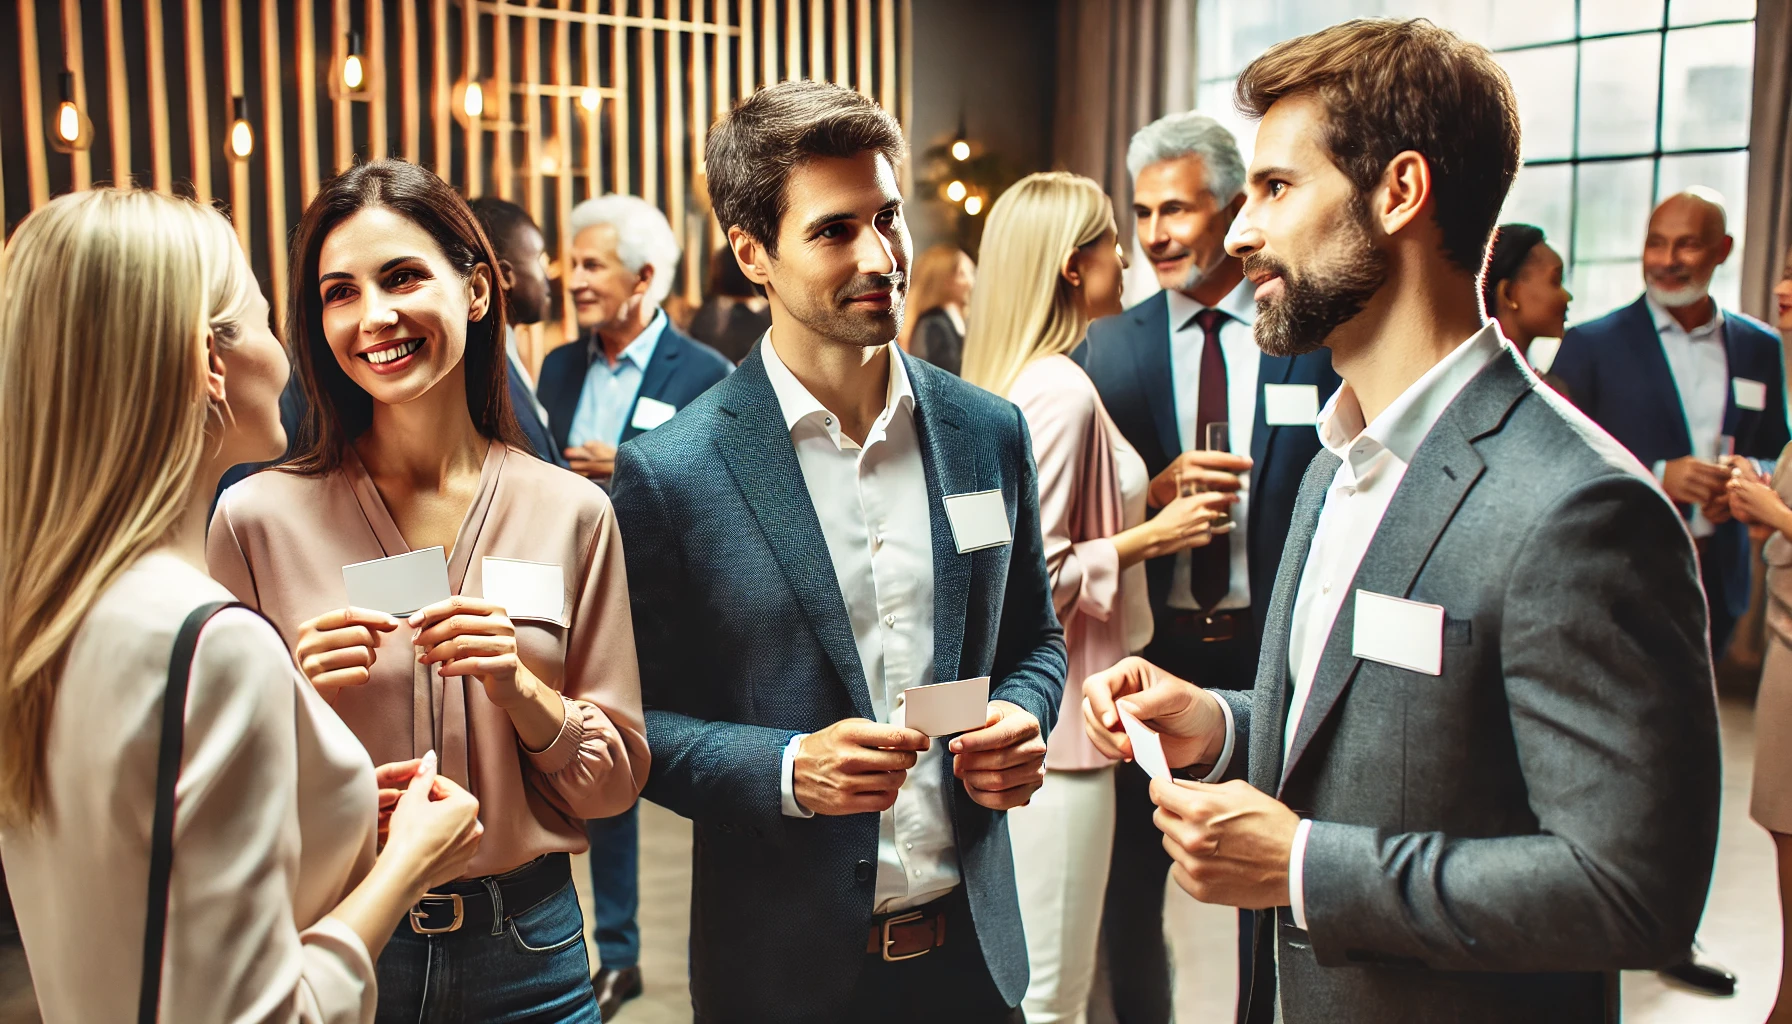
818 536
1681 383
1177 360
632 370
628 374
519 246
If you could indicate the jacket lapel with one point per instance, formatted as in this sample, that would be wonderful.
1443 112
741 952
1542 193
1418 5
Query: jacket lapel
1443 470
657 375
559 392
1272 667
952 467
1735 357
1270 370
755 446
1151 360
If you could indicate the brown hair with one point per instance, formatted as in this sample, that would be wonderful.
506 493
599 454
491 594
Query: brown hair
1391 86
337 410
929 281
753 149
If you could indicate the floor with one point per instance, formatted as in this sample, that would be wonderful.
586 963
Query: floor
1741 926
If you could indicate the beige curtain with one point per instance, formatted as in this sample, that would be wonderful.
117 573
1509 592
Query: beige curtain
1769 160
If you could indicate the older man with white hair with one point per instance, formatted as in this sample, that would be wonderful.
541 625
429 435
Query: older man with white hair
630 372
1183 379
633 370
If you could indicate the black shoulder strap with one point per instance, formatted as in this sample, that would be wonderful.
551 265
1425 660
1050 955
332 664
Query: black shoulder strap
161 837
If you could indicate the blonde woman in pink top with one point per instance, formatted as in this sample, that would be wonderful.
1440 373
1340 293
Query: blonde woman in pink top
136 366
525 679
1051 263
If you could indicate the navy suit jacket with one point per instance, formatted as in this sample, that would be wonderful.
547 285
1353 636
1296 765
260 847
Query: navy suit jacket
680 370
1128 358
1616 372
744 642
522 403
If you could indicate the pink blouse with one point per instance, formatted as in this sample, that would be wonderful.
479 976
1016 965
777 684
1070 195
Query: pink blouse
279 542
1080 510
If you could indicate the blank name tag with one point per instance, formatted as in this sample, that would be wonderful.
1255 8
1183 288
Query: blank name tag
525 590
1290 405
651 412
942 709
1397 632
979 520
398 585
1750 394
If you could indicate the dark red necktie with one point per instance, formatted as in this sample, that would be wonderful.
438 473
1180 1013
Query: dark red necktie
1210 567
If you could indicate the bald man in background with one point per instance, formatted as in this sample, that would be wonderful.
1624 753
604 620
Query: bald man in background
1683 383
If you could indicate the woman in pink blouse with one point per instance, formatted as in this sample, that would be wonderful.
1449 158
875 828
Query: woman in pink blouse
524 679
1051 263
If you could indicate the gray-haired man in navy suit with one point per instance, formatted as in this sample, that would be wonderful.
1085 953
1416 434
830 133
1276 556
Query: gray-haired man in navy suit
811 540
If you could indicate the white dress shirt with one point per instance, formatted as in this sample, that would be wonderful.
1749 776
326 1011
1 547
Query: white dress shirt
1242 361
873 506
609 392
1700 366
1374 460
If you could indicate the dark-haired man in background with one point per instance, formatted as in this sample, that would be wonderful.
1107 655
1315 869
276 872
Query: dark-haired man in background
827 529
521 273
1482 748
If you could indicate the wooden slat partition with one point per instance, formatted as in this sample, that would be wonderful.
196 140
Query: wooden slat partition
672 67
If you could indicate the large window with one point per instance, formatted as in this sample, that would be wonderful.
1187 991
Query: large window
1622 102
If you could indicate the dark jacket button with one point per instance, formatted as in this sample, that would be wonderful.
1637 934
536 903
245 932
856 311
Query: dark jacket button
863 871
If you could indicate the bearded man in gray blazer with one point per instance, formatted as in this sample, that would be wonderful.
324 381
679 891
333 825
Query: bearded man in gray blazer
1482 749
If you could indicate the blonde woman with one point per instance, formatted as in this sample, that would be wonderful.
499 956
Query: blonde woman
934 328
1051 264
136 365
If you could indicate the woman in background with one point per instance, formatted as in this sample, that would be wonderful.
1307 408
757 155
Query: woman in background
525 678
1767 507
733 316
136 366
933 320
1051 264
1522 289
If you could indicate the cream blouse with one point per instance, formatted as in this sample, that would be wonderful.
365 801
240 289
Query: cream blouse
279 541
275 822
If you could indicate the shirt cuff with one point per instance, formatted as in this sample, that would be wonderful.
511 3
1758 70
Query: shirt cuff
787 782
1660 470
1297 855
1225 758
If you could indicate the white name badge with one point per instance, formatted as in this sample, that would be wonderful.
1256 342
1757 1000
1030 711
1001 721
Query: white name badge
1750 394
525 590
398 585
651 412
979 520
1290 405
1397 632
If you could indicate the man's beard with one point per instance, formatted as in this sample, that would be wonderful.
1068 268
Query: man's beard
1192 279
1318 300
834 320
1694 291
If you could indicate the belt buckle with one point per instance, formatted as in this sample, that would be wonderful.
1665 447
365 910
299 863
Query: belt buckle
420 915
914 915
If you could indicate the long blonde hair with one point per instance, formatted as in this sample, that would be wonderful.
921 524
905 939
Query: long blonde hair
930 287
106 298
1022 309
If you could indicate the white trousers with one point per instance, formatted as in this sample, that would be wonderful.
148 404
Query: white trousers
1062 843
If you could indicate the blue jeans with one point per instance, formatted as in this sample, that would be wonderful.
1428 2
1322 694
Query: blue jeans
533 971
616 887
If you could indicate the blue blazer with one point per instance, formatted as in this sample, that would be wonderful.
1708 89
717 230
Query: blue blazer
1128 358
680 370
744 642
1616 372
521 402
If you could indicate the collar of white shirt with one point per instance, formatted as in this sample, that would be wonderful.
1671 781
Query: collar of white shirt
1402 426
798 405
1240 304
1665 322
639 351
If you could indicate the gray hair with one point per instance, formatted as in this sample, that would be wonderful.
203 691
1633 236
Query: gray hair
1190 134
643 237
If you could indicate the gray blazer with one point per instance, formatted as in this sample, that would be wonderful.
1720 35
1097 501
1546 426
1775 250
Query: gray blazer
1489 843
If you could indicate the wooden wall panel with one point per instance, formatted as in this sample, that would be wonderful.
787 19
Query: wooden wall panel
663 70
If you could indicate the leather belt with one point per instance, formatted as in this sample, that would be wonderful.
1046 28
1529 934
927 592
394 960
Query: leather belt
1213 627
911 933
470 905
